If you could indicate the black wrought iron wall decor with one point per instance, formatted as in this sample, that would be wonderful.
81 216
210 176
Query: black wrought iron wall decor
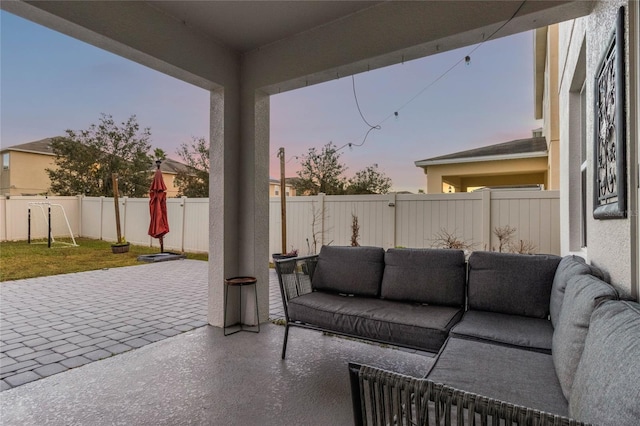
610 189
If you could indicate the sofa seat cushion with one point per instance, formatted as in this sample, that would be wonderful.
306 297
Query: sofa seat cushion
606 388
404 324
515 284
523 332
584 293
506 373
349 270
568 267
433 276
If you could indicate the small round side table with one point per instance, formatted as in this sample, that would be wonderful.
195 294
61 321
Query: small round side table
240 282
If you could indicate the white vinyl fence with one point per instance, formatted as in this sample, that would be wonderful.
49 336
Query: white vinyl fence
415 220
385 220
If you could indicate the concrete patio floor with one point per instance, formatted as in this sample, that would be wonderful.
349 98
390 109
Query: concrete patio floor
202 377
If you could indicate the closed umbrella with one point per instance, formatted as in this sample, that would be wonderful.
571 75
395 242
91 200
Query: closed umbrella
159 225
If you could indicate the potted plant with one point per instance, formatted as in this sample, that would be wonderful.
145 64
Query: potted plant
288 255
121 246
290 266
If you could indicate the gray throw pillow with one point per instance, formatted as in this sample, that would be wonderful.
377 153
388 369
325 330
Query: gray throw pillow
349 270
431 276
606 388
584 293
569 266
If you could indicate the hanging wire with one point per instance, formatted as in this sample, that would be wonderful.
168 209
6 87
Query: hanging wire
355 96
465 59
376 127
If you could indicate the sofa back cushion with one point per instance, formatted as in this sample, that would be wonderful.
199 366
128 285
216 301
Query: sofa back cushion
516 284
431 276
349 270
583 294
606 388
569 266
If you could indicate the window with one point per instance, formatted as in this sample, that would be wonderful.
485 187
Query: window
287 193
277 192
5 161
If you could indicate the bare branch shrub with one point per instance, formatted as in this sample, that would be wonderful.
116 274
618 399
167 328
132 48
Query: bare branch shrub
449 240
355 230
523 247
318 218
504 234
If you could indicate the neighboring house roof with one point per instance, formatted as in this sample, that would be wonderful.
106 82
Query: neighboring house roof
174 167
287 181
519 148
42 146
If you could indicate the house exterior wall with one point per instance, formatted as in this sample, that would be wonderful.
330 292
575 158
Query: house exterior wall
461 176
27 173
608 241
274 190
169 181
550 112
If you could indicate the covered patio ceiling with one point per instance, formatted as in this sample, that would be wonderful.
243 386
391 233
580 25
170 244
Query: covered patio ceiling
287 44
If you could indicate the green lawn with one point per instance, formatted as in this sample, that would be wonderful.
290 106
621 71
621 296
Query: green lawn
20 260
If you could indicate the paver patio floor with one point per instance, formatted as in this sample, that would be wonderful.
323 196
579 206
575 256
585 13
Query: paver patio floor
52 324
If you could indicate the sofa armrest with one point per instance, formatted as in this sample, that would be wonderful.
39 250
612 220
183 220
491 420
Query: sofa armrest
385 397
295 275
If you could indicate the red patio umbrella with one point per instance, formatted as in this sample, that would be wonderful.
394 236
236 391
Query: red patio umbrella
159 225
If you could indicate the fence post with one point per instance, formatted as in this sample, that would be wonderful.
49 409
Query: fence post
322 216
101 216
391 242
79 224
124 214
486 219
183 204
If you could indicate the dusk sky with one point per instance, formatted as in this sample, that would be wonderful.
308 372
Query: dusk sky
50 82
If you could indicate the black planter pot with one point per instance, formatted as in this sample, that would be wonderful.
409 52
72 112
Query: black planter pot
119 248
280 256
289 267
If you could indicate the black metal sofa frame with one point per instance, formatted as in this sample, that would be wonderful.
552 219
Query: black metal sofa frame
521 338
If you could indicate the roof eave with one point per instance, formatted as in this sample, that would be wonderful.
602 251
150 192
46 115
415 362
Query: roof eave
520 156
539 65
29 151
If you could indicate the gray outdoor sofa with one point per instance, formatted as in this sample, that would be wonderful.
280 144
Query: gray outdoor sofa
523 339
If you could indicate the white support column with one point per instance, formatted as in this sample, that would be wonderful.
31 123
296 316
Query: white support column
223 196
239 201
253 216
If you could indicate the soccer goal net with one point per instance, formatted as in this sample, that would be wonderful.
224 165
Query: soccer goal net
48 224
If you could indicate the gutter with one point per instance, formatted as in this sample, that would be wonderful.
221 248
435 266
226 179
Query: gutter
424 163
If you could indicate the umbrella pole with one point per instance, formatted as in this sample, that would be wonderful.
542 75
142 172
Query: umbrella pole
161 244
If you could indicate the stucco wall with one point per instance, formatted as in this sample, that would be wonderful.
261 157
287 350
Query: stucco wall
608 241
487 173
550 109
27 173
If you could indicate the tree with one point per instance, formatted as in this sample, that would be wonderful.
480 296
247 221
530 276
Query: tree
194 180
159 154
369 181
86 159
321 172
